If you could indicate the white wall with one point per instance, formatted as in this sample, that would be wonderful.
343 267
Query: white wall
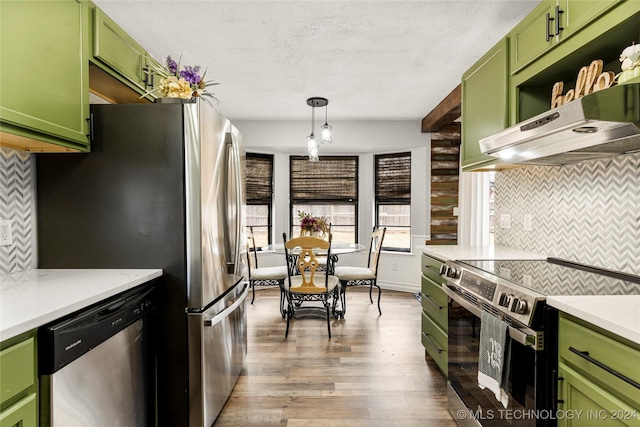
362 138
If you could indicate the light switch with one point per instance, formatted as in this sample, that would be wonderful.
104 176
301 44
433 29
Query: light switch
527 222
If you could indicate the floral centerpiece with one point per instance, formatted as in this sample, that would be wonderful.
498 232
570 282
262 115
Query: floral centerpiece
185 83
311 224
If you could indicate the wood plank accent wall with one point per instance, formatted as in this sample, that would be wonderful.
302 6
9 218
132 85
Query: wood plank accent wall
445 167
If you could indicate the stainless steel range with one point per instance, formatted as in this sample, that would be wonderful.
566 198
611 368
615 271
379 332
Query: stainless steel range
514 291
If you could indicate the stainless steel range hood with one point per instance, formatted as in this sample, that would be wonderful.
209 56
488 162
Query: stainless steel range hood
602 124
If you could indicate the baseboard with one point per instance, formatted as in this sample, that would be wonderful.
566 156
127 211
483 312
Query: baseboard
401 287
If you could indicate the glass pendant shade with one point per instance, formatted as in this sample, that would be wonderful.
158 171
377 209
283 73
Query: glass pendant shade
325 129
325 133
312 148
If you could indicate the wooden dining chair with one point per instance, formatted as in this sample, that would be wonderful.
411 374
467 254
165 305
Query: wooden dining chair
308 284
264 276
367 276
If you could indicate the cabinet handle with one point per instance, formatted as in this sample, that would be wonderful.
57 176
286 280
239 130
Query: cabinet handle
439 350
548 33
585 355
558 27
556 379
90 120
432 301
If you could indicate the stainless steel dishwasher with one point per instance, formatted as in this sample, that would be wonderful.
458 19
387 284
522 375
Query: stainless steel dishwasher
97 366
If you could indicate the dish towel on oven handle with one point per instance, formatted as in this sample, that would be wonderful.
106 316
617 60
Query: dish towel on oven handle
494 357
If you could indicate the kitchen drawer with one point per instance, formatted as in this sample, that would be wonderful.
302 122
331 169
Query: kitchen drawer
434 302
595 405
596 348
435 343
431 267
24 413
17 368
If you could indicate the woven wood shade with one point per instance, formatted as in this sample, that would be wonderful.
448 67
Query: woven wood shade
259 178
331 179
393 178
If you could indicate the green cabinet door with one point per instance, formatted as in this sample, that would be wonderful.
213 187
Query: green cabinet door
533 35
549 24
485 98
44 77
114 48
588 405
578 13
21 414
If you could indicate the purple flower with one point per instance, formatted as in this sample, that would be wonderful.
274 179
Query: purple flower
191 74
172 65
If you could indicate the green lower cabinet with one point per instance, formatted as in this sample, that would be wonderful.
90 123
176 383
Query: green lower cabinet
21 414
596 376
18 379
435 342
485 108
434 312
44 72
585 404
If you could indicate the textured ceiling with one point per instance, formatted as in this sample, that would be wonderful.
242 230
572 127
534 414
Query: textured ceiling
373 60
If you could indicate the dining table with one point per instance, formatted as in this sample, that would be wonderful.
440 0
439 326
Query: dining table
337 249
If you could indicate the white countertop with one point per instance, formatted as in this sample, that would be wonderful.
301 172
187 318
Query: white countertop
33 298
468 253
618 314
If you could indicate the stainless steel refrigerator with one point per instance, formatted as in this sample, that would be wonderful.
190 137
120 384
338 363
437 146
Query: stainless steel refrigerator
163 187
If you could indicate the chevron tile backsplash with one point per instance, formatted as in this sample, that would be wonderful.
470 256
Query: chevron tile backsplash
588 212
16 205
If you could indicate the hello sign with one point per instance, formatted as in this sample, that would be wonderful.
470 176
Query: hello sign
590 79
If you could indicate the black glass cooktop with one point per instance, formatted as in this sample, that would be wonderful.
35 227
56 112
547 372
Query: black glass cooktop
559 277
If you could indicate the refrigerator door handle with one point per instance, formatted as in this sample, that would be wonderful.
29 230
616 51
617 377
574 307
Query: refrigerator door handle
233 247
239 193
224 313
230 256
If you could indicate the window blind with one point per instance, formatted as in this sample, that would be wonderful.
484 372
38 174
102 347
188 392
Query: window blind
331 179
259 180
393 178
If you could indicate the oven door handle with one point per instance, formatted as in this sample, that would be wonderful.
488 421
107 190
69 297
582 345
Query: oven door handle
528 338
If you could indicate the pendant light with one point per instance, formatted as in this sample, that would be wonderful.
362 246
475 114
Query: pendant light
325 133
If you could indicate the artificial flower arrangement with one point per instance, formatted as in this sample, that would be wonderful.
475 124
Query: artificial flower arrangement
630 59
311 224
185 83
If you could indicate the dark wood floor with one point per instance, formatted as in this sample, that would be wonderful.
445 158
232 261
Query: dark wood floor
372 372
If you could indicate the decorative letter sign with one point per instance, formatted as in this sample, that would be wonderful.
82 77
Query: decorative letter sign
590 79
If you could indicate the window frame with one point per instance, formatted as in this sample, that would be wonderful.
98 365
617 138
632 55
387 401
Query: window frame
352 200
391 201
266 201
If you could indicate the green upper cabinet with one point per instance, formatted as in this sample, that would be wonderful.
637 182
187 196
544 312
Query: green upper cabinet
550 23
530 38
119 52
44 77
485 109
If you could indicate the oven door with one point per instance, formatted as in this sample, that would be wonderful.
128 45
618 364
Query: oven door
529 380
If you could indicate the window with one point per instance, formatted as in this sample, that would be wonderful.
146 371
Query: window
393 199
328 188
259 196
